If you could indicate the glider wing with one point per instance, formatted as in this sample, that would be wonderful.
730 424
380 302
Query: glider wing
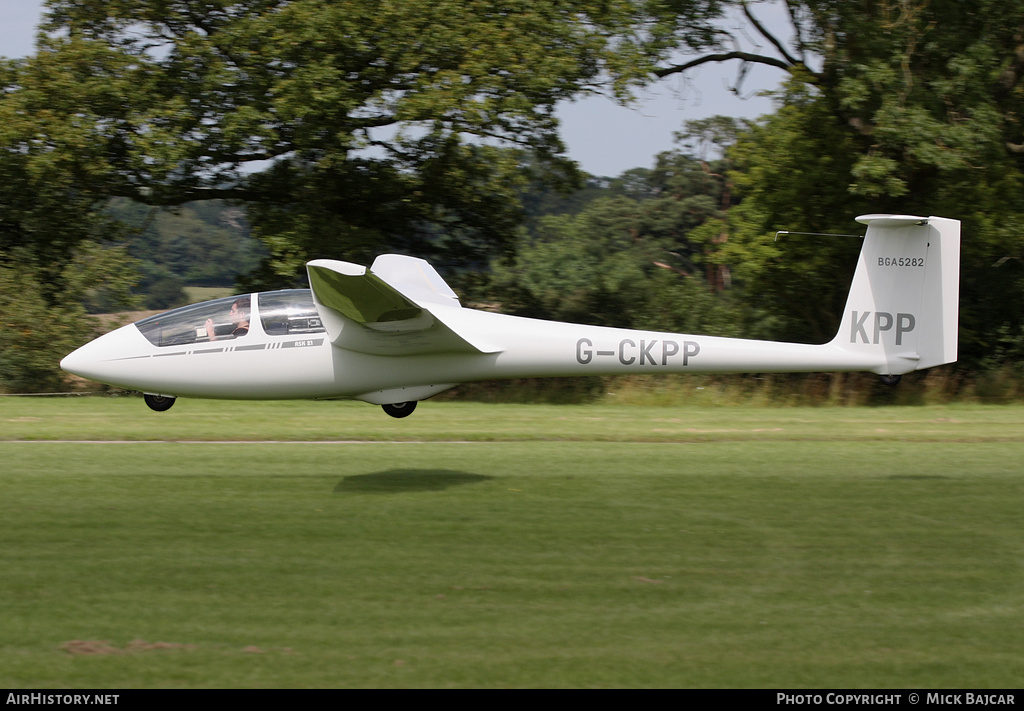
394 308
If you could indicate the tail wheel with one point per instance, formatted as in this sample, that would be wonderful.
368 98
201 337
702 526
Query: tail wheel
891 379
400 409
160 403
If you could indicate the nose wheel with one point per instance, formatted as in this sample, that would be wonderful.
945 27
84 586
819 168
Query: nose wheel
400 409
160 403
891 379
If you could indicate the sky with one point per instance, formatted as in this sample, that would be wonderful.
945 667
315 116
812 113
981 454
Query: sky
602 136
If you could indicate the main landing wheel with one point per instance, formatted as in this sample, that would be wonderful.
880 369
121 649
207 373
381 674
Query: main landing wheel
400 409
891 379
160 403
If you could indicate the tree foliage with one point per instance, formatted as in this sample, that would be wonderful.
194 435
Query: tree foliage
35 332
350 126
905 106
205 243
638 254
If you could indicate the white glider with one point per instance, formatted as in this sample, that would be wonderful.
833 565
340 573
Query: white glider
396 333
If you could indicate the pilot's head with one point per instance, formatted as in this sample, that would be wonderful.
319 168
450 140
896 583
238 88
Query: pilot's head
240 309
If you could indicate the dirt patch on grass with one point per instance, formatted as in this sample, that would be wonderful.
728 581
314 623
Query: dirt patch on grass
93 647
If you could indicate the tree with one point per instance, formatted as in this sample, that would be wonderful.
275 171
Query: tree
32 335
36 332
57 247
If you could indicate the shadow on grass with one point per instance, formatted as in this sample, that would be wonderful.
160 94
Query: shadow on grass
397 481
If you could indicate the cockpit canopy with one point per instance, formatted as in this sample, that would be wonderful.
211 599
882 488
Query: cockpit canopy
278 313
283 313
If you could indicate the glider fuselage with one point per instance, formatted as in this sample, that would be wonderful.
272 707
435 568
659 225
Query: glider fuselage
264 365
396 333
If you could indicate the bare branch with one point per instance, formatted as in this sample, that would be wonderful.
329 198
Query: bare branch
725 57
799 30
769 36
788 63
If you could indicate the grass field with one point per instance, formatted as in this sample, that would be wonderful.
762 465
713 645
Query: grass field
325 544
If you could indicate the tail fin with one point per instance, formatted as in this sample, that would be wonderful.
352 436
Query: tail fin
903 307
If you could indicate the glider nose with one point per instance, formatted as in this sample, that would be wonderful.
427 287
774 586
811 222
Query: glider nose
99 359
80 362
72 362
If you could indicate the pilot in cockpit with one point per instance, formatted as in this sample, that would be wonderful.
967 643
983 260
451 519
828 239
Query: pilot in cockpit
239 316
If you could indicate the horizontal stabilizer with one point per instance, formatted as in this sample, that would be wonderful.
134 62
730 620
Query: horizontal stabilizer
892 220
